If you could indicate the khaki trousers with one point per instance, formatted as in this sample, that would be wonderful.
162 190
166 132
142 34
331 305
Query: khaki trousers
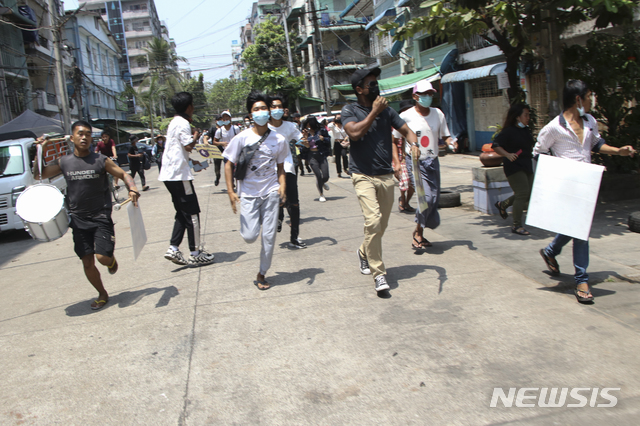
375 194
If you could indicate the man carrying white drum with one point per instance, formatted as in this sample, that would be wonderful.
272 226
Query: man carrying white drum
89 203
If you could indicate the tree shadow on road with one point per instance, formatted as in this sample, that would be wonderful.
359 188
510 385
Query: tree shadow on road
124 300
284 278
398 273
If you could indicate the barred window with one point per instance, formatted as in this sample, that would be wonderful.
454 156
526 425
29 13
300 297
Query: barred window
487 88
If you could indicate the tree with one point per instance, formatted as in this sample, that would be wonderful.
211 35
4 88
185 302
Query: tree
147 96
202 115
609 65
510 25
228 94
267 62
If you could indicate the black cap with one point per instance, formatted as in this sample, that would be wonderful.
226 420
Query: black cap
361 74
405 104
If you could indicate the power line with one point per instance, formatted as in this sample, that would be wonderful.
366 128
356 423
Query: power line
187 14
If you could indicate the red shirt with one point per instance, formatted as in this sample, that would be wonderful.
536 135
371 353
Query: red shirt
106 148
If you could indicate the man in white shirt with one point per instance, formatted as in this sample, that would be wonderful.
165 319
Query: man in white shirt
221 137
340 142
291 135
429 125
177 177
573 135
262 189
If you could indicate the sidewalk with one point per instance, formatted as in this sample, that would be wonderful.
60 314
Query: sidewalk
203 346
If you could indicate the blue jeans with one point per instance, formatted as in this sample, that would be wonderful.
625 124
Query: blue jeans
580 255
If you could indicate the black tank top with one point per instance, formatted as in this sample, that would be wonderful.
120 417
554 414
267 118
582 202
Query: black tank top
87 185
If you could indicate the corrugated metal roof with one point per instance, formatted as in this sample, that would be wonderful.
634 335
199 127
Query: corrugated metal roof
474 73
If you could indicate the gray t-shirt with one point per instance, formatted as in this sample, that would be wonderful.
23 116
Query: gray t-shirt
87 185
371 155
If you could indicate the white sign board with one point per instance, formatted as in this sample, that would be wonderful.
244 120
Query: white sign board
503 81
138 233
564 195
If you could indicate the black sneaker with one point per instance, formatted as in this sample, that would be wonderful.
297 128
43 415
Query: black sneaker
217 181
364 264
381 283
297 244
279 225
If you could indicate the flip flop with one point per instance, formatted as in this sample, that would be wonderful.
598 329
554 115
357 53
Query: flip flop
551 262
98 304
418 246
114 267
409 209
263 282
583 299
503 212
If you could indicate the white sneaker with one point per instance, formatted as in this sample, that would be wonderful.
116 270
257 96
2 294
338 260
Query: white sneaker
176 257
203 258
322 199
381 283
326 187
297 244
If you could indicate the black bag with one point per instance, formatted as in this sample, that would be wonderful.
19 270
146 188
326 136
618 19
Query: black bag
246 155
145 161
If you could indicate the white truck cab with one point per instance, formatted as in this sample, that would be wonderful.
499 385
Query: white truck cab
16 155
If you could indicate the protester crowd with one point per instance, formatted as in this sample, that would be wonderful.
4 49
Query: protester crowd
372 144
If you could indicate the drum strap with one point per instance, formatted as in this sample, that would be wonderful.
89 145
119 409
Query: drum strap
39 159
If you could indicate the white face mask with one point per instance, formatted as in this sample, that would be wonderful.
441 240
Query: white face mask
520 124
581 109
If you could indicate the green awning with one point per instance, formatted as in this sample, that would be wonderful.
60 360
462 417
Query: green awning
398 84
309 98
354 27
304 43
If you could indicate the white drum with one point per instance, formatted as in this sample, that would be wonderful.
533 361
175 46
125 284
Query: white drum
42 210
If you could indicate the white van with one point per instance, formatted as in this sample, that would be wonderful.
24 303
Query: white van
16 155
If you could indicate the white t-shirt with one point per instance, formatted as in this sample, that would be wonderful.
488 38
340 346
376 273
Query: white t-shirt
432 128
175 159
262 173
224 135
290 132
337 133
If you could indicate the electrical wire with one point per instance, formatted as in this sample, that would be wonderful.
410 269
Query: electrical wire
187 14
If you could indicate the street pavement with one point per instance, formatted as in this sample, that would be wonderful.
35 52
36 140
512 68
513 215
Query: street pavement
185 346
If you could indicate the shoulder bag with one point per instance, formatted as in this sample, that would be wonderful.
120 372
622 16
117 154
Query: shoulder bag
246 155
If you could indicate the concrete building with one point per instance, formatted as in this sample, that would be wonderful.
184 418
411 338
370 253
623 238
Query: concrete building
133 23
27 76
97 81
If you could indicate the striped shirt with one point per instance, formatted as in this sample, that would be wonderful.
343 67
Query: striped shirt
559 138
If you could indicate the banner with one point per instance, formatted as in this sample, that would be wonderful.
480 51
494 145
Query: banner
209 151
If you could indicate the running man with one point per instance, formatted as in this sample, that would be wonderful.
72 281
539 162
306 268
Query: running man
89 203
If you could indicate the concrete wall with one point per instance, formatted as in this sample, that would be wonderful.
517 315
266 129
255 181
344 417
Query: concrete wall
488 112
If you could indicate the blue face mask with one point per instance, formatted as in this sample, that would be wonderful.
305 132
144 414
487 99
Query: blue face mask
581 110
277 113
520 124
225 123
425 100
260 117
219 123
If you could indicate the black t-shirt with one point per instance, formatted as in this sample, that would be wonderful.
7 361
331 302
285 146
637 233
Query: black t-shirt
513 139
134 162
372 154
87 185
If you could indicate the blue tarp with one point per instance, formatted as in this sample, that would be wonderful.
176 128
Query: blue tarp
348 9
389 12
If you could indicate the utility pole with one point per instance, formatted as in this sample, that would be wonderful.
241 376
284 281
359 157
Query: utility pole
286 36
61 88
317 40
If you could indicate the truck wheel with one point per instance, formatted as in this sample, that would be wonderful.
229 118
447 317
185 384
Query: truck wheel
634 222
449 199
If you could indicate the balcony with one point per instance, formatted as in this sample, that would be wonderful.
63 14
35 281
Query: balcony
46 101
131 14
146 32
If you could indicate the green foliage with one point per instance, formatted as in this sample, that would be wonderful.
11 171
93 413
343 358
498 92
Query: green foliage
609 65
510 25
228 94
202 116
267 62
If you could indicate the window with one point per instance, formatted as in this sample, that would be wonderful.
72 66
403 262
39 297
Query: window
89 56
486 88
142 62
96 98
95 60
344 41
96 21
431 42
339 5
105 65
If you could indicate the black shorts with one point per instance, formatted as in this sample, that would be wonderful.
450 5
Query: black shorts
93 236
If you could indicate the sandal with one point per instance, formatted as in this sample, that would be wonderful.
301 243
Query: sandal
582 299
417 245
265 285
98 304
520 231
503 212
551 262
409 209
114 267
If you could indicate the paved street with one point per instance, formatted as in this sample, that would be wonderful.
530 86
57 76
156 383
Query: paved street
183 346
